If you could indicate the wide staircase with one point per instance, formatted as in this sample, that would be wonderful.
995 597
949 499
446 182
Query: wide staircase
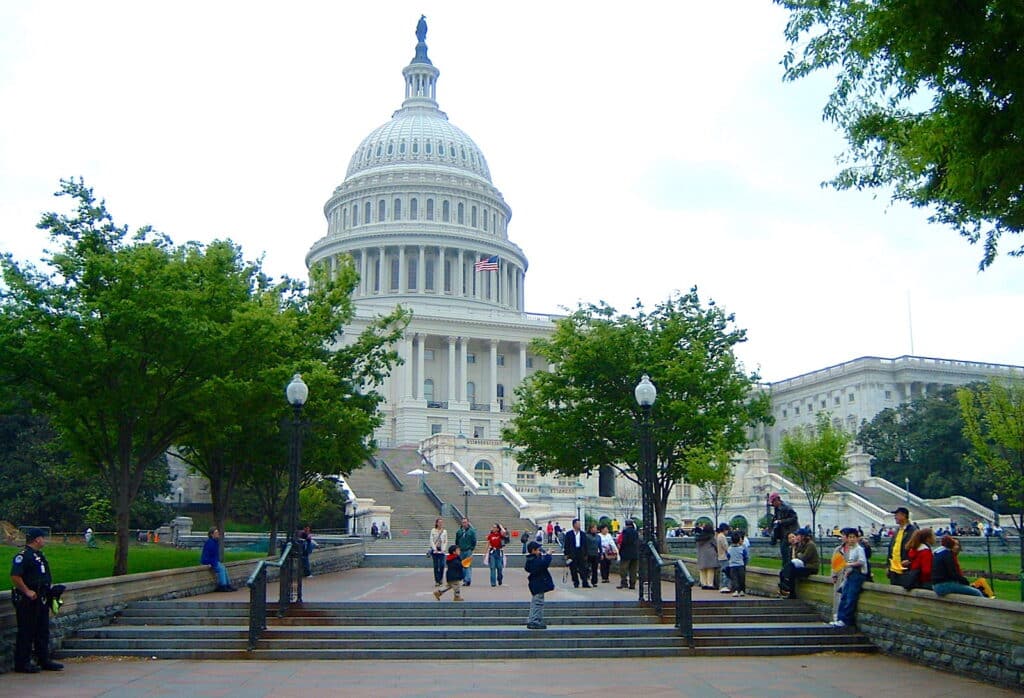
179 629
412 512
484 509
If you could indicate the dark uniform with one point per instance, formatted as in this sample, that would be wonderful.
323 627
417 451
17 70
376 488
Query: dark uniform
33 614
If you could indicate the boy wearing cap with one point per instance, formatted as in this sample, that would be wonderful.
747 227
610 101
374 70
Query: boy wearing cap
899 558
30 592
537 562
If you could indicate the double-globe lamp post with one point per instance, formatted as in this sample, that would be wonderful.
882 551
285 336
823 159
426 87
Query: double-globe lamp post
291 574
650 573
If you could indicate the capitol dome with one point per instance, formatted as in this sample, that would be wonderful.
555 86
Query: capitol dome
417 213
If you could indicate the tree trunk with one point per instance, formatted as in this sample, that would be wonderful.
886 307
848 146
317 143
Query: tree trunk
122 515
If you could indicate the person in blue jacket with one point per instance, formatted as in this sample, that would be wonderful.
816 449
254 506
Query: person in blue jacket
211 557
537 562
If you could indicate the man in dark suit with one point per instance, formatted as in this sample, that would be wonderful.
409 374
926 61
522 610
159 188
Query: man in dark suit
575 549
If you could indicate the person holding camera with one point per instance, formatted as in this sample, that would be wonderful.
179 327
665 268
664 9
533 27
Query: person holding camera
537 562
784 522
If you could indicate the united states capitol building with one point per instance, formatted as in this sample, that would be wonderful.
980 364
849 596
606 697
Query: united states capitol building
425 226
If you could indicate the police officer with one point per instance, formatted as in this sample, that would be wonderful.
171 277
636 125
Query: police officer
30 592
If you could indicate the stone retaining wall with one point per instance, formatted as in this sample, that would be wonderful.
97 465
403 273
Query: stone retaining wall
982 638
95 602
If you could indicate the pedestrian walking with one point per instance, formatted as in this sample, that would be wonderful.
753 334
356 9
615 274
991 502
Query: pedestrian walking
496 541
454 574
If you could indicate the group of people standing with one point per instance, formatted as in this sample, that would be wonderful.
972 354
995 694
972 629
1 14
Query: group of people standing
454 563
589 554
722 558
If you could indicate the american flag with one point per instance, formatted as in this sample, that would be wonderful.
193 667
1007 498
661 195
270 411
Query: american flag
487 264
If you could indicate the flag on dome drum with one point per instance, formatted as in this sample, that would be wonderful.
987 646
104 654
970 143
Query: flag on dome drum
487 264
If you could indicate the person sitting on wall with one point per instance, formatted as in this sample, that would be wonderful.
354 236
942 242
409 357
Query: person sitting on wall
804 563
211 557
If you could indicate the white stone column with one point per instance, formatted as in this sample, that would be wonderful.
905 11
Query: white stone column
334 267
522 361
420 342
452 396
381 274
363 289
494 375
403 281
464 374
461 289
407 365
421 266
439 274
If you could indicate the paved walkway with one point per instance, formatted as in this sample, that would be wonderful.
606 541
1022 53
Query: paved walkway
785 677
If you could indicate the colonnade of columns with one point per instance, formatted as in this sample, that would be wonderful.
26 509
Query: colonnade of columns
436 270
456 364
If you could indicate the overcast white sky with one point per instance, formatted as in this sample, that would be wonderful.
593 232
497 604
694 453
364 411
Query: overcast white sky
643 147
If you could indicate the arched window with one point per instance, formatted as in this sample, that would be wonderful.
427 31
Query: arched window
494 221
401 147
525 476
415 147
483 472
430 209
462 213
381 210
440 148
367 209
355 215
378 149
391 148
446 211
429 148
739 522
472 216
396 210
344 217
471 392
414 209
485 219
428 390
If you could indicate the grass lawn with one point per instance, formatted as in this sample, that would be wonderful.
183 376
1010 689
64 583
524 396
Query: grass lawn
73 562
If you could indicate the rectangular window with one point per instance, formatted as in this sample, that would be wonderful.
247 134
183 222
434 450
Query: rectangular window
796 410
822 404
888 395
435 428
837 399
470 358
852 397
785 413
500 359
478 433
529 362
428 354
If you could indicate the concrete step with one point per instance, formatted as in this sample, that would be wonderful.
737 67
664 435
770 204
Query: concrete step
540 650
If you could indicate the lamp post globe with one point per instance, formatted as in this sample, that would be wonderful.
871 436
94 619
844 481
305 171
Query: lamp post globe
650 586
290 582
995 508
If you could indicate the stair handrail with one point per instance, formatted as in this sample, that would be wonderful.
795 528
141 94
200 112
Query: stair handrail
432 496
257 583
395 480
684 593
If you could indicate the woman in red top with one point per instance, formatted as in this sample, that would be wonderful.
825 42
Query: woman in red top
919 552
496 541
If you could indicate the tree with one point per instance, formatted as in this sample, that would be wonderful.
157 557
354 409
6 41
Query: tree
923 440
583 415
814 460
929 95
994 423
715 477
627 499
116 340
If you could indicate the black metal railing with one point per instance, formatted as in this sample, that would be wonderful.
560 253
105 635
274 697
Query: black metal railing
653 577
684 601
684 592
456 512
391 475
257 583
432 495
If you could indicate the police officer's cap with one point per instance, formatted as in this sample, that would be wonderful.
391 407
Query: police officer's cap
33 533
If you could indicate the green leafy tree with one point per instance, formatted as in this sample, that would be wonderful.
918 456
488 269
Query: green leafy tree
714 477
994 423
814 460
583 415
929 95
924 440
115 340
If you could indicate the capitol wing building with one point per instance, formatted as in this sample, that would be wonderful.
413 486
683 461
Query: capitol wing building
425 226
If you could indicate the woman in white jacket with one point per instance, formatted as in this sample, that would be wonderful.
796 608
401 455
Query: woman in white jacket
438 549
